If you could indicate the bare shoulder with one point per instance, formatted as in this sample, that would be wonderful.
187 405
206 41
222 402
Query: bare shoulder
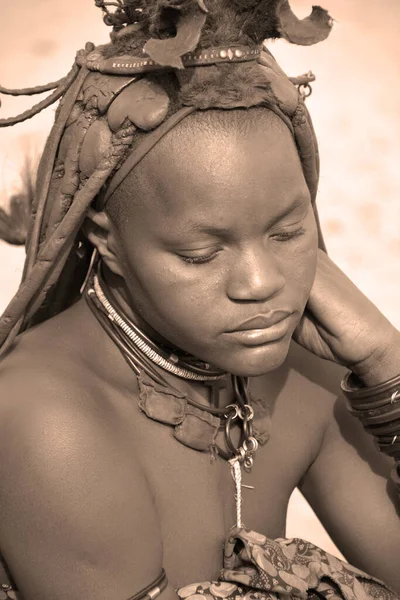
43 376
303 392
74 498
63 363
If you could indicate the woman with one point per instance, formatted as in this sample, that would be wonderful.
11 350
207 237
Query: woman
195 185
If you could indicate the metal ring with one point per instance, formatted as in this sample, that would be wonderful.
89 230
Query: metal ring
239 412
228 438
254 445
247 430
395 397
241 454
248 463
305 90
250 409
236 407
394 440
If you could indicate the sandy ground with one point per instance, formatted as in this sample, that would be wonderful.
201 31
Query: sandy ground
355 111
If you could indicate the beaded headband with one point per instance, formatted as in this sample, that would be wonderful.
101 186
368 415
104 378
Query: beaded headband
133 65
166 59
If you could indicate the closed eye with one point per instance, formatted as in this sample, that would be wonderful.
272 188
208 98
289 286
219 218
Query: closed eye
199 260
286 236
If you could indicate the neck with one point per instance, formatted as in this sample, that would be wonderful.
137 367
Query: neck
108 287
119 297
113 369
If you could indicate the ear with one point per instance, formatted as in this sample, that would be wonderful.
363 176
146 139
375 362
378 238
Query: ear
100 232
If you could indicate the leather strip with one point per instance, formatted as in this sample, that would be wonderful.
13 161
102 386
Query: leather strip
144 148
134 65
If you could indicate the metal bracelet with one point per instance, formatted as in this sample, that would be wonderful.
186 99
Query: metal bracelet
154 589
360 395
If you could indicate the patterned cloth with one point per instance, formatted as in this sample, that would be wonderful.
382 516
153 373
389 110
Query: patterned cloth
257 568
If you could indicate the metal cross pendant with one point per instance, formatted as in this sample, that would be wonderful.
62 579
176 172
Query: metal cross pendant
215 387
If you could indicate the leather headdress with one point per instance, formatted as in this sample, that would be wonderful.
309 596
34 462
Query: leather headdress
166 59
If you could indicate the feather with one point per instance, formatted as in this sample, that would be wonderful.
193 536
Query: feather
14 223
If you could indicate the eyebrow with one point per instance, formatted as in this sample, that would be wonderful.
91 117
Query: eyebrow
214 230
299 202
211 230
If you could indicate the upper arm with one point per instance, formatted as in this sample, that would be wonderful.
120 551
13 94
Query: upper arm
348 488
77 517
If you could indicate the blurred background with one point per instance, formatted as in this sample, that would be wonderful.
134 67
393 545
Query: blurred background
355 107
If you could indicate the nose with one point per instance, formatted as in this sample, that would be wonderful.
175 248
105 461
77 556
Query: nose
256 276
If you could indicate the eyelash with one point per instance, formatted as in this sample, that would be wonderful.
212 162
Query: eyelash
290 235
201 260
198 260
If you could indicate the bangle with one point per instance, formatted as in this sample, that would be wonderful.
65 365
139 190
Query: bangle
153 590
358 393
378 410
374 406
388 412
391 448
391 428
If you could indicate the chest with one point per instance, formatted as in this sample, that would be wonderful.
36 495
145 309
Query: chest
195 496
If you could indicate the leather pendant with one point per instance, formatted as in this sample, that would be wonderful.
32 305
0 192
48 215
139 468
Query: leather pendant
99 91
193 427
95 144
143 102
198 429
159 403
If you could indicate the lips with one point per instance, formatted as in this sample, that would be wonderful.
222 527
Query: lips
262 321
262 330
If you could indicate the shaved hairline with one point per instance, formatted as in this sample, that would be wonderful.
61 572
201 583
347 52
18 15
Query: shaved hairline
211 122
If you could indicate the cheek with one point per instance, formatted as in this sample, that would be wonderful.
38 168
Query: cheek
169 294
300 266
307 271
305 264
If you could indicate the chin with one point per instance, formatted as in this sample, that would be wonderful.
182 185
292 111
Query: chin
257 361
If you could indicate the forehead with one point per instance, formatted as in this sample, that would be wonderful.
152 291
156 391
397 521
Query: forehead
217 163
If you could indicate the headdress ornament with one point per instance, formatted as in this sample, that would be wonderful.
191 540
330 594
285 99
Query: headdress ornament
166 59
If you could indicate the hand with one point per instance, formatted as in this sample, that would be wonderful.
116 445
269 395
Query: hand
340 324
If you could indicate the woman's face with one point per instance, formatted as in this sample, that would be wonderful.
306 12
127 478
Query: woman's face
219 253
